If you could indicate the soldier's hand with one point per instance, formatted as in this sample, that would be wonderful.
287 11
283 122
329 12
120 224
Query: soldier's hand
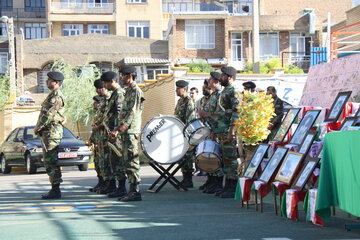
114 133
36 131
123 128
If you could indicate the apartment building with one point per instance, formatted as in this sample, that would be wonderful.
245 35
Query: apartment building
221 32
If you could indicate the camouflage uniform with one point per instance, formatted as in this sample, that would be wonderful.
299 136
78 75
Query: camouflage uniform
131 118
50 127
276 120
226 111
99 137
185 111
111 122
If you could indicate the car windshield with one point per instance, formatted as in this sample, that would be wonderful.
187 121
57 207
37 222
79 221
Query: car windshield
29 133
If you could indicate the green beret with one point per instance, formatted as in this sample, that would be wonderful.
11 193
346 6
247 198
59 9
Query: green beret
128 69
215 75
57 76
108 76
181 83
98 84
249 85
230 71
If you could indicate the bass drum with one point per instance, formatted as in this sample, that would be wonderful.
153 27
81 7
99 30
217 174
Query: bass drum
162 140
208 156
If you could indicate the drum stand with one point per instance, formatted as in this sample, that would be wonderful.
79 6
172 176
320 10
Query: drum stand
167 176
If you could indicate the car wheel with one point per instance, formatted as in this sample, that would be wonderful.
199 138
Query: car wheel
5 168
30 166
83 167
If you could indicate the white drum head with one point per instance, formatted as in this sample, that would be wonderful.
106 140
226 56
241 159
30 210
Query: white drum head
163 141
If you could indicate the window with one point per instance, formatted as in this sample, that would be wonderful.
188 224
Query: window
98 28
3 62
236 45
139 29
178 6
12 135
20 133
269 46
3 30
70 3
34 5
299 46
137 1
97 3
35 30
72 29
200 34
153 71
6 5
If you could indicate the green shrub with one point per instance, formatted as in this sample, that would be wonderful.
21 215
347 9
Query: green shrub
273 63
4 90
199 67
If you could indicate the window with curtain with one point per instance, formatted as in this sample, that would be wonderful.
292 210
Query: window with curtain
72 29
269 46
35 30
35 5
236 46
139 29
200 34
98 28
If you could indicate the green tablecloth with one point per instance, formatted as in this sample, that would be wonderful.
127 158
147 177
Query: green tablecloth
339 183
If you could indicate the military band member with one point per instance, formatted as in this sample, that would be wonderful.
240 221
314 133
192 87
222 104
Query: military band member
208 112
130 128
185 111
50 129
111 123
249 86
99 137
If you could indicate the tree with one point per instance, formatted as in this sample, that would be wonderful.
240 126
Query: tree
4 90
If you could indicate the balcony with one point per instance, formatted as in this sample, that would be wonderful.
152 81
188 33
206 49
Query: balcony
87 8
18 13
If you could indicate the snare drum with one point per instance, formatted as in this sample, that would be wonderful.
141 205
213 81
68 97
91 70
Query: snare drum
163 141
208 156
197 131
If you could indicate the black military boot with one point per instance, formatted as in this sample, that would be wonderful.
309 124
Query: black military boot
133 195
204 186
225 188
110 187
102 186
187 180
120 191
210 184
230 192
54 192
97 186
216 186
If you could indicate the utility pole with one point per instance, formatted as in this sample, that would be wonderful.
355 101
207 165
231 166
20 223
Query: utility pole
11 38
256 37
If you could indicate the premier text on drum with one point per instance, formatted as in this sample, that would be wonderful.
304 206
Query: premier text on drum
155 130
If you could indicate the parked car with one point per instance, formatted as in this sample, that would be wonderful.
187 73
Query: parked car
22 148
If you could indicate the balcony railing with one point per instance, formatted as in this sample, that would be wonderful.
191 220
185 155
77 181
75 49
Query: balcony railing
72 7
17 13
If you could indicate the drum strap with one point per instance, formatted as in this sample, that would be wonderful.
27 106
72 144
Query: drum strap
219 103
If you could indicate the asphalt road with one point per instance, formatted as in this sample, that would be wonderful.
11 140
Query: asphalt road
169 214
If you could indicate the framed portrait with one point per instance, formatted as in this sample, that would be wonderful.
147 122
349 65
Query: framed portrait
305 174
349 121
304 126
337 106
286 124
357 121
256 160
289 167
306 144
273 164
357 114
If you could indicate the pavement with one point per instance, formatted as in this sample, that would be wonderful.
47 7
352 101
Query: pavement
169 214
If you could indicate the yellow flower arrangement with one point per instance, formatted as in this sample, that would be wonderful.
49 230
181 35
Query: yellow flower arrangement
255 112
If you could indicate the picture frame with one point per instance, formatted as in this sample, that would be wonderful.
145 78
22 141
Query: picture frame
305 174
307 142
273 164
289 167
357 114
256 160
304 126
348 121
337 106
286 124
357 121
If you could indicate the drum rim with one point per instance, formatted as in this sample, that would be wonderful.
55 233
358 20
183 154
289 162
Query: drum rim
142 134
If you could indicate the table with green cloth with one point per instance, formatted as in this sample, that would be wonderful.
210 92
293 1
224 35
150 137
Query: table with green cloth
339 182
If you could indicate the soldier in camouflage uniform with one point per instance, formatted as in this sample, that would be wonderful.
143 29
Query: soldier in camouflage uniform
214 181
99 137
229 100
129 128
50 128
111 124
185 111
275 121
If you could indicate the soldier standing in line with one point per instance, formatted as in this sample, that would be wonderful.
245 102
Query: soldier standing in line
111 124
214 181
185 111
129 129
50 128
227 109
99 136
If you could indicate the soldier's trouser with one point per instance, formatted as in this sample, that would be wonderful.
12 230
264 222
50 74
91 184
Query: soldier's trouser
117 165
98 149
105 164
188 159
51 163
131 156
229 155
